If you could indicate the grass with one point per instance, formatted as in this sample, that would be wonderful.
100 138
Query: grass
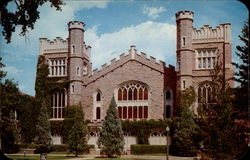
116 159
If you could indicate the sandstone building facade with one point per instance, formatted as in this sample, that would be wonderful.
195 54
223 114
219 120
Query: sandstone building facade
143 87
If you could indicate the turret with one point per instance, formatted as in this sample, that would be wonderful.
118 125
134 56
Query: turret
76 51
184 21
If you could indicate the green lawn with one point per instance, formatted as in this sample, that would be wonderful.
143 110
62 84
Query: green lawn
116 159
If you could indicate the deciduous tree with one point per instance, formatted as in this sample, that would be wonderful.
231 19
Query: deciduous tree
24 14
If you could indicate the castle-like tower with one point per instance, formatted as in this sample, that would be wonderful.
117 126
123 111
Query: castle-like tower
184 50
78 61
197 52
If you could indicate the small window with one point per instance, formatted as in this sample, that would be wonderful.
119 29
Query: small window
130 112
183 40
73 88
98 112
73 49
124 112
135 112
78 71
119 94
98 97
168 111
120 112
184 84
168 95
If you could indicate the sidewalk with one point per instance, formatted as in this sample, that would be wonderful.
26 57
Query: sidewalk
91 156
138 157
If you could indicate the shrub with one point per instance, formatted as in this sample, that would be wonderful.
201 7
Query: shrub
60 148
148 149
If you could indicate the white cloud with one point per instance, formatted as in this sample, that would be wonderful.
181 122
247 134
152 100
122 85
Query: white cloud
155 39
152 12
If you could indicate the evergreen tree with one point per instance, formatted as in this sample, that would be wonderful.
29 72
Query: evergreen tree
242 75
219 130
185 139
77 133
43 137
111 140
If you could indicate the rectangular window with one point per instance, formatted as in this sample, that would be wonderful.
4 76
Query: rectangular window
130 112
168 111
183 84
124 112
140 112
183 41
135 112
120 112
57 67
145 112
98 113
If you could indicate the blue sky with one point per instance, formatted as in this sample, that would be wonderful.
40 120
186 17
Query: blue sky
112 26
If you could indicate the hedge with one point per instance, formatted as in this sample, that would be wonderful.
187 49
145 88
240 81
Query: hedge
148 149
63 148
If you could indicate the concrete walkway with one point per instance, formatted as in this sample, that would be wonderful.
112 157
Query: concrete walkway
91 156
85 157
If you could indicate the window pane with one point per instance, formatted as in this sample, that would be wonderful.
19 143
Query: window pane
145 112
199 63
134 112
60 112
119 94
140 94
98 113
63 112
146 94
120 112
208 62
98 97
199 94
63 99
130 94
204 97
125 94
124 112
140 111
168 95
135 94
59 94
168 111
209 95
130 112
204 63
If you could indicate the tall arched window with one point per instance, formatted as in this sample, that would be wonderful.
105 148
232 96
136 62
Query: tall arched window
168 103
98 97
97 105
58 105
133 101
168 95
204 94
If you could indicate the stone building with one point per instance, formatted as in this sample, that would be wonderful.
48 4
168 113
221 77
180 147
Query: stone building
144 88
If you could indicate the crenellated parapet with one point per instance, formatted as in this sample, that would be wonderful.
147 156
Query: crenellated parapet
58 45
142 58
221 33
